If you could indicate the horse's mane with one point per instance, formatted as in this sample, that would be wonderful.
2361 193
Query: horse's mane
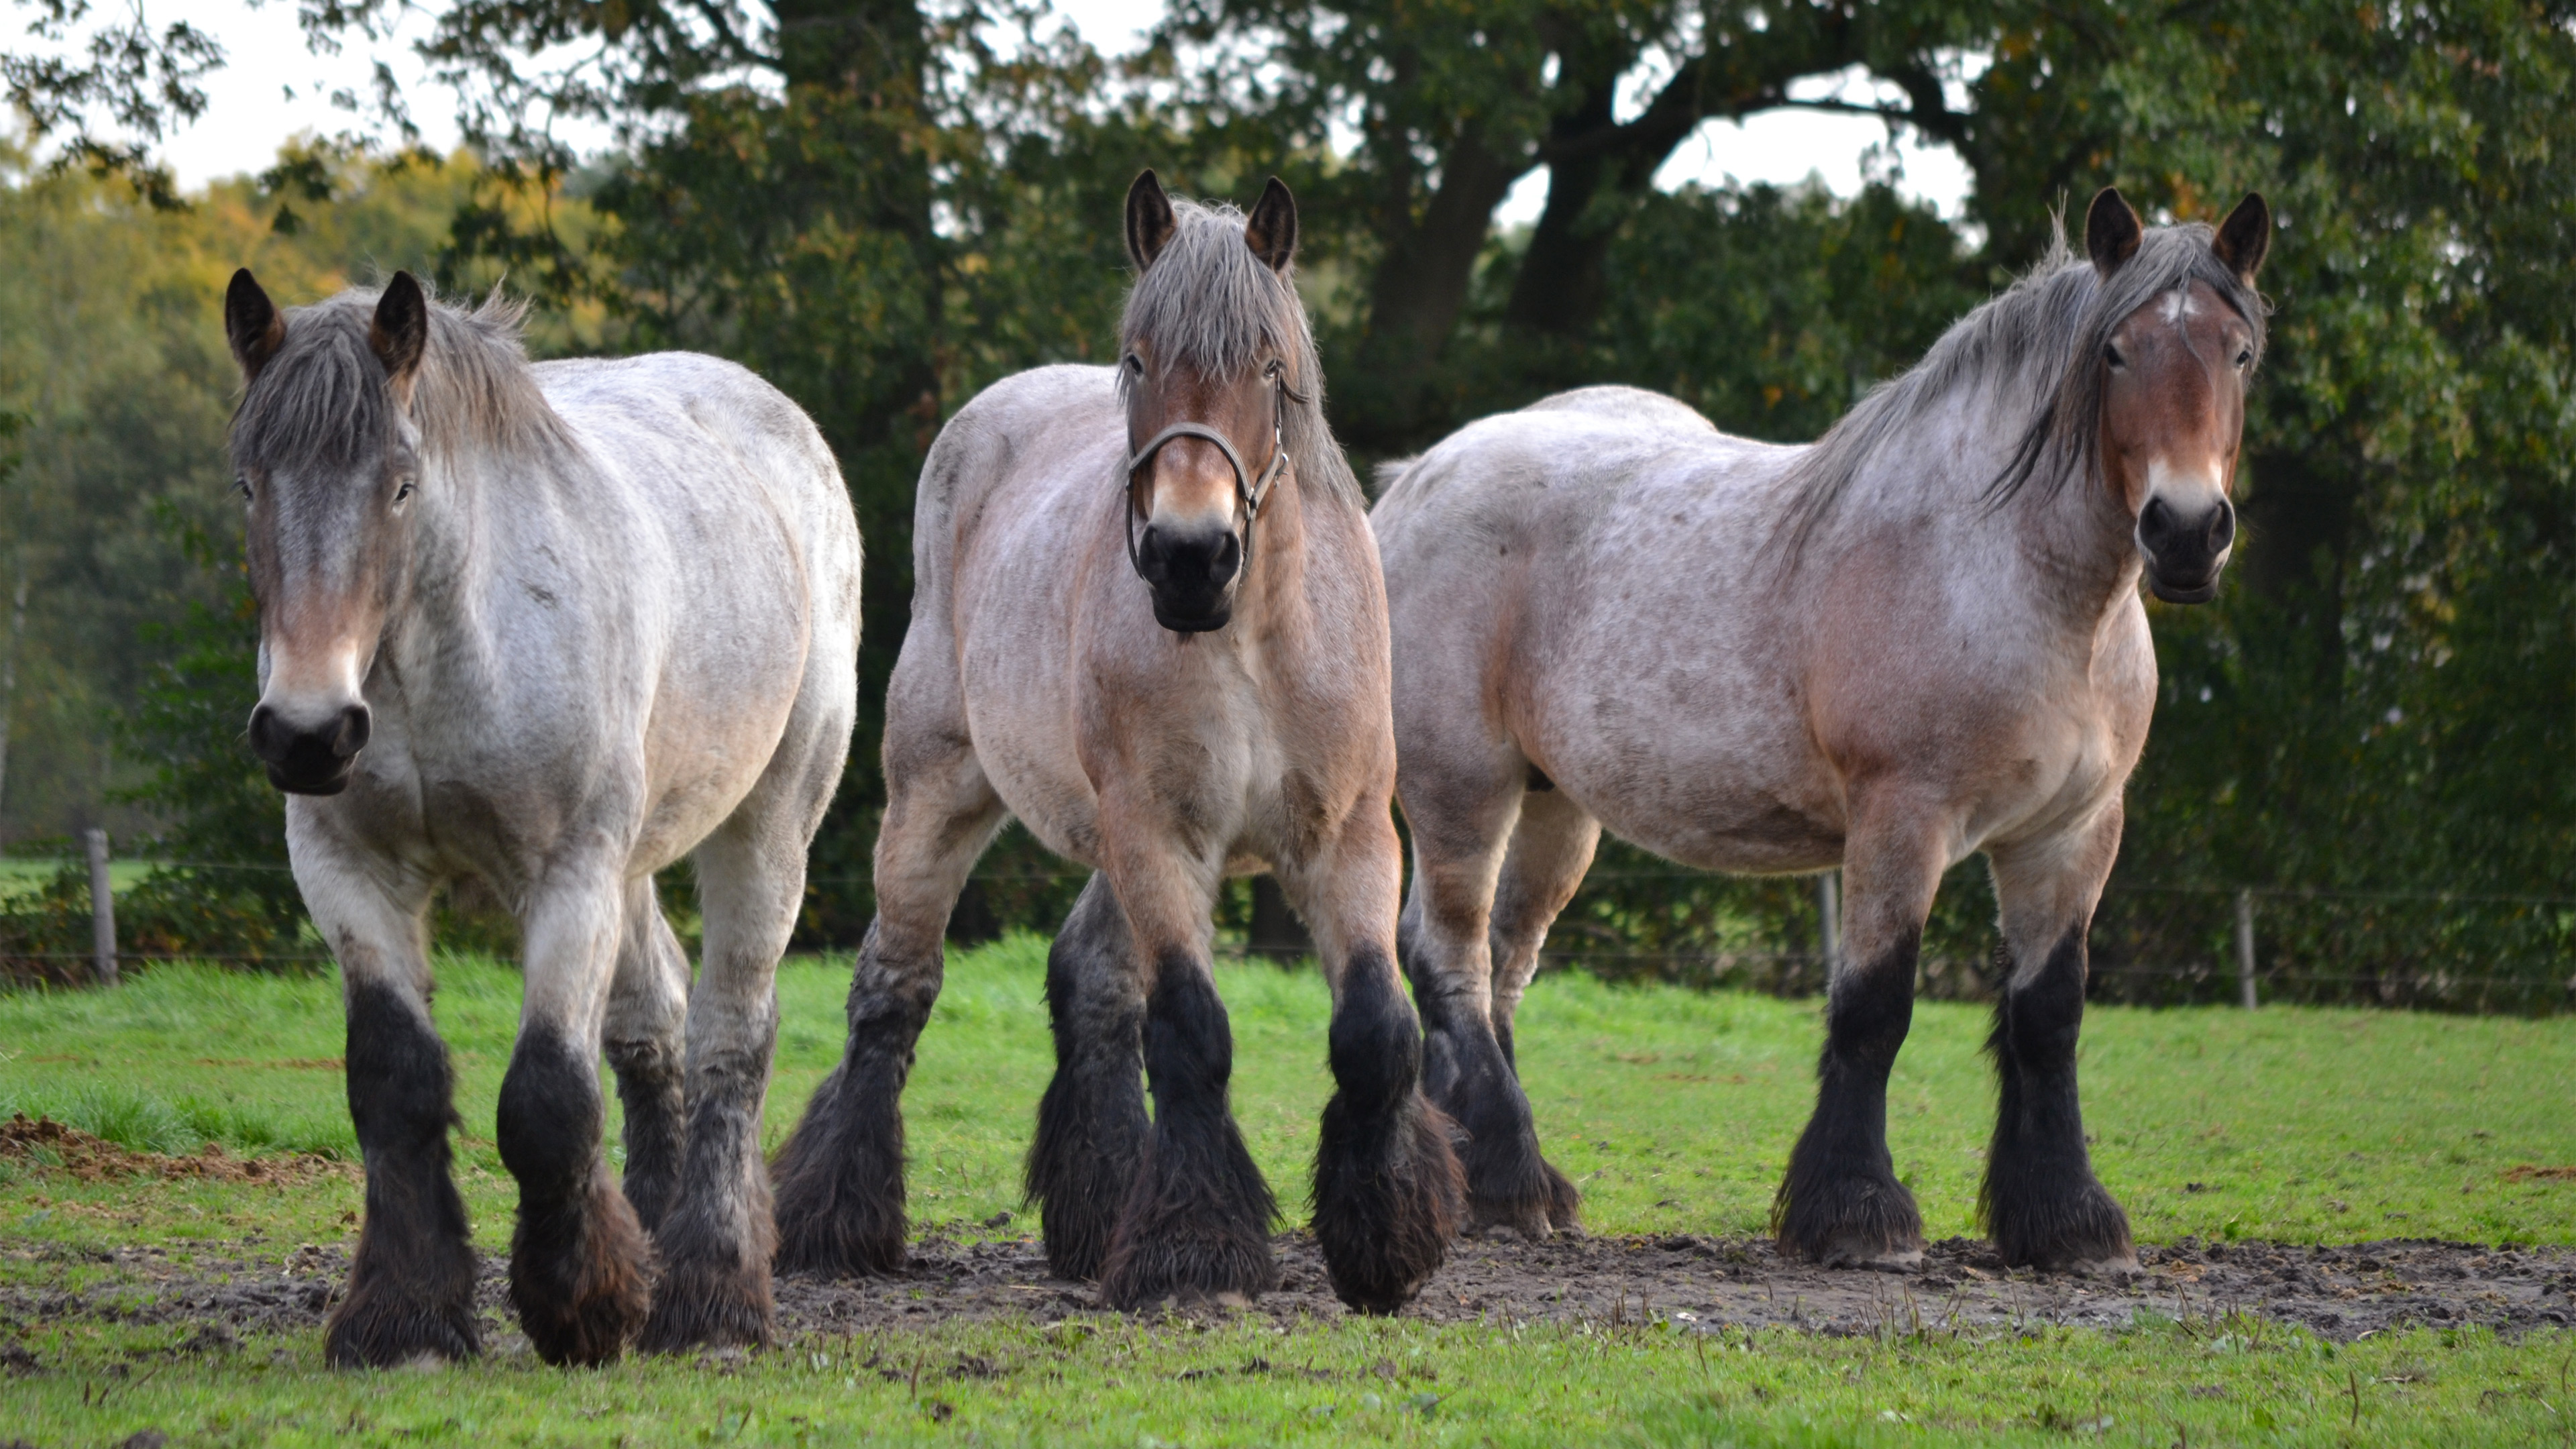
1209 305
2038 349
323 401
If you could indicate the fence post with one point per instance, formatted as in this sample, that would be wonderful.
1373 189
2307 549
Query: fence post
1829 918
2245 945
102 906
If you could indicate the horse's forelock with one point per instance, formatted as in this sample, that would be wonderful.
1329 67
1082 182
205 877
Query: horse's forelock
1212 307
323 401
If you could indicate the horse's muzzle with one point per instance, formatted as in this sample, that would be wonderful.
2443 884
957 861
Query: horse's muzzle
309 759
1191 574
2185 552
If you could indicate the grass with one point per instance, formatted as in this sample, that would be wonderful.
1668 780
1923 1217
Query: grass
1673 1110
26 875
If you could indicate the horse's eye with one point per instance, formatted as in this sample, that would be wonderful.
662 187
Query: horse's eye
241 485
1135 364
2245 357
1275 368
403 491
2111 355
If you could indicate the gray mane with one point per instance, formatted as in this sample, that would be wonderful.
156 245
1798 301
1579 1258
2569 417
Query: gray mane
2038 350
322 400
1210 306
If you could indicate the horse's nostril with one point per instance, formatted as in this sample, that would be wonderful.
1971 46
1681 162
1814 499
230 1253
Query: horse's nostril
1227 558
264 732
351 737
2155 523
2222 526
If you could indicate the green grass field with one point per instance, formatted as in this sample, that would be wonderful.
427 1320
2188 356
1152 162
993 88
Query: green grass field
1673 1110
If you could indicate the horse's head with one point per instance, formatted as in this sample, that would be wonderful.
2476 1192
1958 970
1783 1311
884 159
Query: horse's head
1211 355
2173 370
325 458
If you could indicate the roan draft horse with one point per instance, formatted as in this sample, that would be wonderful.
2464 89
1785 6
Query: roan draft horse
1148 621
1917 638
552 627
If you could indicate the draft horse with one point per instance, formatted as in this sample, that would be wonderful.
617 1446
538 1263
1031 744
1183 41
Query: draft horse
1917 638
1148 621
552 627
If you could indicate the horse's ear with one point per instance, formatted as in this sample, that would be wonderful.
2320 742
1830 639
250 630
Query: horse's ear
252 324
1272 230
2245 236
400 332
1150 222
2111 230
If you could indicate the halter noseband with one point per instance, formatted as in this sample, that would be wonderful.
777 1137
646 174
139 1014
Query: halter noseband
1248 491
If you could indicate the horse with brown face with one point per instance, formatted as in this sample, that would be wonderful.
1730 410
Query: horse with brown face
1148 621
1915 639
550 627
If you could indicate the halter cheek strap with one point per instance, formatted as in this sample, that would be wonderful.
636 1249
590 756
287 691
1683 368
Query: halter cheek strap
1248 490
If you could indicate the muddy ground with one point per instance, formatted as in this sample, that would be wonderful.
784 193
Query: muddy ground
1697 1283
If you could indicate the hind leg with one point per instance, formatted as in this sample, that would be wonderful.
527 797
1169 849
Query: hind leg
1092 1124
840 1177
410 1297
1840 1202
1463 807
579 1261
2040 1198
1389 1193
647 1003
1551 849
1196 1221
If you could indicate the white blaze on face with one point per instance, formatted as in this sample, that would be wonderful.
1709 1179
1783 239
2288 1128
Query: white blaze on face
1194 489
308 686
2191 492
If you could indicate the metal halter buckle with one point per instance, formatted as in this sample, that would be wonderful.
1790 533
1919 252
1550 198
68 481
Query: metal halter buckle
1248 491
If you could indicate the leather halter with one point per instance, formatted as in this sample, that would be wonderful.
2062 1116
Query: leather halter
1248 490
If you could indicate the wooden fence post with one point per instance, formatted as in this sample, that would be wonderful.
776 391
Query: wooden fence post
2245 945
102 906
1829 918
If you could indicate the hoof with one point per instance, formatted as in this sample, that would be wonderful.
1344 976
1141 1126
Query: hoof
369 1330
580 1276
1172 1267
2078 1230
1389 1195
822 1245
705 1307
1862 1222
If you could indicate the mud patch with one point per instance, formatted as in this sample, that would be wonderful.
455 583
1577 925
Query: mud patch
1689 1283
47 1146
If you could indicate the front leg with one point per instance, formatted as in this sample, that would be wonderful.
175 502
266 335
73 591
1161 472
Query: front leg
2040 1198
1195 1225
580 1265
410 1297
1389 1190
1840 1203
1092 1126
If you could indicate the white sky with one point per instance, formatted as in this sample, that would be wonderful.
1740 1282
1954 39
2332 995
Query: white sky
274 88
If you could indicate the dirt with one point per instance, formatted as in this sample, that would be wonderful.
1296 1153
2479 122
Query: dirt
1692 1283
52 1147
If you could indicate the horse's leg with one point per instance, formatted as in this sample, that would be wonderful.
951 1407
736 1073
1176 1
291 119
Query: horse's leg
411 1282
647 1002
1463 812
716 1244
1389 1190
1092 1124
840 1202
579 1260
1196 1223
1551 849
2040 1199
1840 1202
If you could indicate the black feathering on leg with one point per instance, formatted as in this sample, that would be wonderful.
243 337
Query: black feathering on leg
716 1248
580 1265
1840 1202
839 1179
1389 1192
411 1282
1092 1126
1196 1223
1467 1074
649 1091
2040 1198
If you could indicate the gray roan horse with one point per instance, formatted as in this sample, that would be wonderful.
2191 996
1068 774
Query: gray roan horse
552 627
1917 638
1225 714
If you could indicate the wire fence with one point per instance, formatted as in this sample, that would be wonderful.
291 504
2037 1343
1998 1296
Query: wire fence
1636 919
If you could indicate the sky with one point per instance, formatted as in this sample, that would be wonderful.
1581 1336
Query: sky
275 88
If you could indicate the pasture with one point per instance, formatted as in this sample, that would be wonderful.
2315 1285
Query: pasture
1672 1110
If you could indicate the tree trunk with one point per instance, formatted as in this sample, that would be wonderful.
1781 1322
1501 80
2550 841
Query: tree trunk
9 668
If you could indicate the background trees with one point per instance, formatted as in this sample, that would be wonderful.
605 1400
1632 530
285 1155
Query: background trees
883 205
